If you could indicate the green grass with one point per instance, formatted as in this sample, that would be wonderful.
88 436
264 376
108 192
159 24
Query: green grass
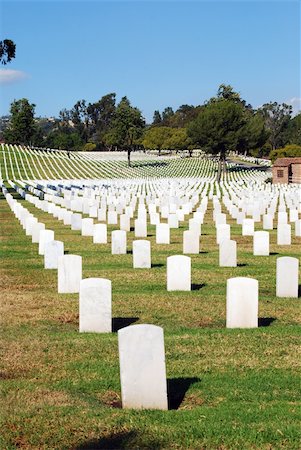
229 389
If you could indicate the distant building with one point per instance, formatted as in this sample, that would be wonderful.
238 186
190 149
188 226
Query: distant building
287 170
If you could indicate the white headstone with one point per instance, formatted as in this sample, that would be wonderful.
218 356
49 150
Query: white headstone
87 227
76 221
141 254
118 242
247 227
222 232
191 242
69 274
45 236
287 270
178 273
242 303
53 250
100 233
267 222
95 305
284 234
162 233
140 228
261 243
36 229
142 367
227 254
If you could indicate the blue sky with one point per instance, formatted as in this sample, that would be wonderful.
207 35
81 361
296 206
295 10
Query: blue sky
158 53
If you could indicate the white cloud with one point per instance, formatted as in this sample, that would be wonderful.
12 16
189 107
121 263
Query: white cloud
8 76
296 104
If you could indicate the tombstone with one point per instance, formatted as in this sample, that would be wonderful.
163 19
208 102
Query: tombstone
76 221
154 218
222 232
69 274
45 236
100 233
118 246
261 243
284 234
140 228
287 270
67 217
36 229
173 221
247 227
87 227
53 250
162 233
242 303
179 273
298 228
282 217
142 367
267 222
195 226
112 218
95 305
29 223
125 222
102 214
93 211
227 253
191 242
141 254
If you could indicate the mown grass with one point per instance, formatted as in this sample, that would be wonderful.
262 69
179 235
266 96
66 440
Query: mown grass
228 389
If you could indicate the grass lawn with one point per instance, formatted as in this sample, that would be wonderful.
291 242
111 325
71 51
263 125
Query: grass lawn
228 389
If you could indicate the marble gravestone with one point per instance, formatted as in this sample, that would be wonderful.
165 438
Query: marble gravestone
141 254
142 367
53 250
95 305
261 243
162 233
45 236
191 242
69 274
118 245
287 272
100 233
228 253
179 273
242 303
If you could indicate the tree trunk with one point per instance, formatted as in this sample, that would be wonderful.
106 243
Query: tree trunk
129 157
221 165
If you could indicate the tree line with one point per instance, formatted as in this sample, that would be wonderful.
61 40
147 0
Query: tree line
225 120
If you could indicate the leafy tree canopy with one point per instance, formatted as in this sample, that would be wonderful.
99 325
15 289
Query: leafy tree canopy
7 51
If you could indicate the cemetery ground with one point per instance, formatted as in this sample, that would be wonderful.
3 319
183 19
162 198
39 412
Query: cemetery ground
228 388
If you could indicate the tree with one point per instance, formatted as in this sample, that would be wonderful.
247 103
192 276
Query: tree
157 119
277 118
289 151
126 127
100 117
155 138
293 134
7 51
253 134
22 128
217 129
167 114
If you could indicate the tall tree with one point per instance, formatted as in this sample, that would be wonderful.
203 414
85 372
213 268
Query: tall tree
7 51
126 128
277 117
167 114
22 128
217 129
157 119
100 116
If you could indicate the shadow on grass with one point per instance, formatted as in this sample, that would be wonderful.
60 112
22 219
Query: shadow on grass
129 252
157 265
274 253
299 291
176 390
265 321
121 322
117 441
242 265
197 287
